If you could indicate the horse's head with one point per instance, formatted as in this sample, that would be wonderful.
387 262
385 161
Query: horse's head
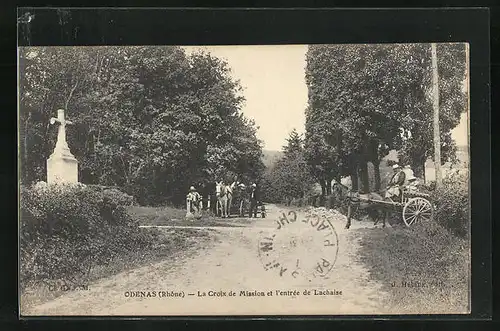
353 196
340 190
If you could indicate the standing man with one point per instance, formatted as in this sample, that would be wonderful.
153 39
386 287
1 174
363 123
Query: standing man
394 187
254 198
195 198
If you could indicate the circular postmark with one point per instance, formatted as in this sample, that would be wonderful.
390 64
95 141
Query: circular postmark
300 246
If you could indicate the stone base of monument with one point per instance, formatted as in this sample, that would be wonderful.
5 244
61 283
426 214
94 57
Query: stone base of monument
62 169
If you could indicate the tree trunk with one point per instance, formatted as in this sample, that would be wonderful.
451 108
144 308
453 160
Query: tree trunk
354 181
376 173
423 169
419 168
329 186
365 184
323 187
435 106
70 95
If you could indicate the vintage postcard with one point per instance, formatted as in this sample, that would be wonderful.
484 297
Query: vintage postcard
244 180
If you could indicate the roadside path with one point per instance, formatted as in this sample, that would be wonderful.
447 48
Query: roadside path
233 264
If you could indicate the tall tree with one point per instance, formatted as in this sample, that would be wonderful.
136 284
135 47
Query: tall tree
149 119
294 143
290 176
323 149
416 143
371 97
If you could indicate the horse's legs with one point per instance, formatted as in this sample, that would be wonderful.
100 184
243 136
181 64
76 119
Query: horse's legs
374 215
221 208
349 211
222 205
384 216
229 203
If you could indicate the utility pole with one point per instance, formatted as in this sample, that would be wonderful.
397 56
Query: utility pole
435 104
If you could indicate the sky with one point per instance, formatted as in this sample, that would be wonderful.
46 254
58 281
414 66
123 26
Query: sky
274 86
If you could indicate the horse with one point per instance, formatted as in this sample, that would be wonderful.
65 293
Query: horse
224 198
230 195
209 200
355 201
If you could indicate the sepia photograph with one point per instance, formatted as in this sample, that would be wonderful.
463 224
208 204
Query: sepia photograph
322 179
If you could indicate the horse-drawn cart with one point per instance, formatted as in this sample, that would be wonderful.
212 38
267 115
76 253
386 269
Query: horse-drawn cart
413 206
241 206
261 210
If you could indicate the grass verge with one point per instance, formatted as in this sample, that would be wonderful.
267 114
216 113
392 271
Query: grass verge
424 269
167 244
161 216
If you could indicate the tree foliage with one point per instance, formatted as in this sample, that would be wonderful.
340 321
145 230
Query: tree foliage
152 120
290 176
367 99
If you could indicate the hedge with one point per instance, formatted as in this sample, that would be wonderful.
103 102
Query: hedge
65 230
453 204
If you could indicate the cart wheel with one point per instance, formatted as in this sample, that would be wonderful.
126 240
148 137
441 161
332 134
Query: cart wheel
417 210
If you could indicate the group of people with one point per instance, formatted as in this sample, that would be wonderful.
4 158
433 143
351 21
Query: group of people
396 184
195 198
395 187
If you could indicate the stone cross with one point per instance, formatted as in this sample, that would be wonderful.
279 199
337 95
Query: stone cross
62 166
61 144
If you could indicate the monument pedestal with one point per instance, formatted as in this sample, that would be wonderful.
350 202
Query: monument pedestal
62 167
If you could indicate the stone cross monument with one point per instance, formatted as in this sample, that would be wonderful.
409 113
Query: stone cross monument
62 166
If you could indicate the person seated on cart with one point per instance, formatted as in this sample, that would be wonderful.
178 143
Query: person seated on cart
395 185
195 199
254 199
412 186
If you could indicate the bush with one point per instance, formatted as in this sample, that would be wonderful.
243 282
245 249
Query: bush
65 230
114 194
452 203
428 187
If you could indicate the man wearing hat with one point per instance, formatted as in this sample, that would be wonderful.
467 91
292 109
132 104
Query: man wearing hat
396 183
195 198
254 198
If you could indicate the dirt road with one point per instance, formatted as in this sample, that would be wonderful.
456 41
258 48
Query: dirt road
232 265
